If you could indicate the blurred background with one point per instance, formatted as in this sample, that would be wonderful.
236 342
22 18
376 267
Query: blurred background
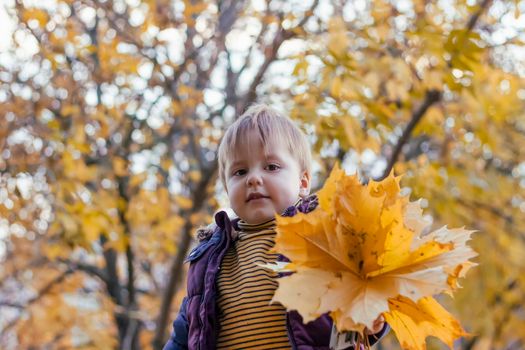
111 113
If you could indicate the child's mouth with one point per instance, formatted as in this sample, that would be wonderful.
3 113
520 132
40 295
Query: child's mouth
255 196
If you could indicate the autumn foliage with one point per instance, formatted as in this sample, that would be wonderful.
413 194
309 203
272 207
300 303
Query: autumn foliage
111 112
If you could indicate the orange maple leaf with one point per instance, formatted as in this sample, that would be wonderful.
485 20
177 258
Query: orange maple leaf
363 254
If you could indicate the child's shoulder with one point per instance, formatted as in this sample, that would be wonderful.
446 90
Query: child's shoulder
222 219
208 236
204 233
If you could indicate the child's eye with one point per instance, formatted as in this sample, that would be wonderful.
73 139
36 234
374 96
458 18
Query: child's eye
239 172
273 167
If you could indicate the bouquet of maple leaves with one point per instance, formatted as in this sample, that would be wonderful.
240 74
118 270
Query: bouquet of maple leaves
362 254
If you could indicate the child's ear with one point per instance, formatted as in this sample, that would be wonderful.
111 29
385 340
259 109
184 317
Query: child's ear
304 189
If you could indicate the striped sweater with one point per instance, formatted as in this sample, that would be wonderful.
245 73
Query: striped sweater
247 319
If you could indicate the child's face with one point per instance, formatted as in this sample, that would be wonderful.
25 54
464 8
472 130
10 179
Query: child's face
260 185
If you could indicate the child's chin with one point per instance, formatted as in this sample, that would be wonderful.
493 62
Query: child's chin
259 219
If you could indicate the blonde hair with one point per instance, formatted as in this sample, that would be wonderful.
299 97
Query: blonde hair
271 127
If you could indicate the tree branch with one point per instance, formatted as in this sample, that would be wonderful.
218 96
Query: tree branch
110 258
233 77
14 274
475 17
228 13
270 55
431 97
91 269
42 292
198 198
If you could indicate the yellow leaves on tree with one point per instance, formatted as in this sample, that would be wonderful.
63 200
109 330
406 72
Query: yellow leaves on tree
76 168
338 41
120 166
87 315
36 14
364 251
155 224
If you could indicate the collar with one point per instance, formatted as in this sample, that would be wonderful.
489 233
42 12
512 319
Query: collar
230 226
246 227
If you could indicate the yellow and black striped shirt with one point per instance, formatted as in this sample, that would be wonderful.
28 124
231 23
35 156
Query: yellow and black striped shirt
247 320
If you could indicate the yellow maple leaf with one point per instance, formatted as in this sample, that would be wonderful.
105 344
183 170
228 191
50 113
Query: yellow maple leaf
364 251
427 317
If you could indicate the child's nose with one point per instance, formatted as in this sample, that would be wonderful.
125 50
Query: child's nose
254 178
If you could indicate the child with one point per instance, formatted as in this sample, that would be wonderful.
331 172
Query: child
265 167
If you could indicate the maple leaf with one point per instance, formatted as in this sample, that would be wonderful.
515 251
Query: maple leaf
363 254
427 316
